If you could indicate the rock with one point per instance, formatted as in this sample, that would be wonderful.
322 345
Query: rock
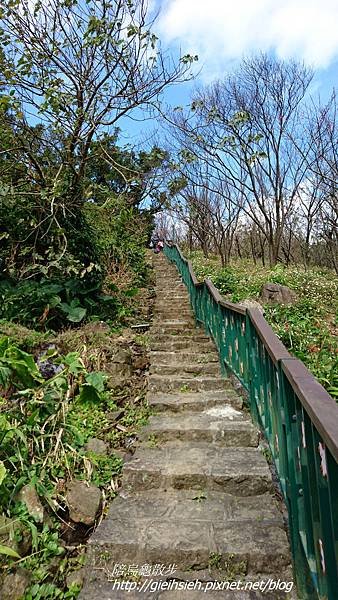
124 455
15 535
24 544
140 362
14 585
54 565
120 369
83 501
123 356
252 304
6 527
115 415
118 373
76 577
278 294
97 446
28 496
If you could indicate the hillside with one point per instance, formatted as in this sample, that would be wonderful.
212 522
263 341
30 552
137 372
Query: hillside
308 328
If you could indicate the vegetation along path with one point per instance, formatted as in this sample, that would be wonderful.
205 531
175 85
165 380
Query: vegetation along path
197 500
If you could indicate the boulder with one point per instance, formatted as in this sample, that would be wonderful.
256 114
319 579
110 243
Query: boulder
123 454
97 446
276 293
76 577
141 362
120 369
14 585
28 496
252 304
83 501
123 356
118 374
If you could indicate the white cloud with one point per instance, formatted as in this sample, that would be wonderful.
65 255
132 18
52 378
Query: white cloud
221 31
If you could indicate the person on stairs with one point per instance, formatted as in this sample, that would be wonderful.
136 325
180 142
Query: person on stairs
159 247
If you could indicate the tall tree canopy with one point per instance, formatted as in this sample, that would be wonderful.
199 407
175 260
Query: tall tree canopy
69 71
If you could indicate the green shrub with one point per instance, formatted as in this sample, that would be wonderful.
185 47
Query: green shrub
54 304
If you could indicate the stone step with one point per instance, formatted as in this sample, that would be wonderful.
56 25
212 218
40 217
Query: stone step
167 299
171 286
171 273
164 383
197 401
191 335
186 369
173 315
171 300
172 296
167 269
183 357
189 529
177 320
167 343
223 426
198 493
172 311
238 471
194 504
149 589
172 292
168 278
176 345
173 327
176 300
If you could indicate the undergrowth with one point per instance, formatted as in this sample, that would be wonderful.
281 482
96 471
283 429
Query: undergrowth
46 418
307 328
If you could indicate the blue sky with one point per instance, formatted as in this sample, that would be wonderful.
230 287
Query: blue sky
222 31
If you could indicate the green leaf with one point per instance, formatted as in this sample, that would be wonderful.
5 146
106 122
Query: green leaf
72 360
74 313
88 394
3 471
9 551
5 373
96 380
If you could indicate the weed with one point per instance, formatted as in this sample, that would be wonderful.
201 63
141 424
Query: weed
267 455
215 560
44 424
200 497
231 568
142 339
152 441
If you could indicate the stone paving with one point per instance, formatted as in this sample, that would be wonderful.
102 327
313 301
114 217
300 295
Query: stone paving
198 492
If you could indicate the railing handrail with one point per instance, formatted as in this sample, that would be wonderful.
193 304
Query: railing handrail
299 420
317 402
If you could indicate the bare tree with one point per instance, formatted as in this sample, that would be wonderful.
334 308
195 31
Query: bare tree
324 166
244 128
79 67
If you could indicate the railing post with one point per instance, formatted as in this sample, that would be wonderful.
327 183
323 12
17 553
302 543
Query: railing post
251 372
292 489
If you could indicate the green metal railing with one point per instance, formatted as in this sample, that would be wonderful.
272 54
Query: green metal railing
299 420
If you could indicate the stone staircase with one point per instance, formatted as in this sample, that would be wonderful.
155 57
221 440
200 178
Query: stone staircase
197 498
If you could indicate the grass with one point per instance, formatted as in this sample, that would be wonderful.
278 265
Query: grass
44 426
308 328
231 568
